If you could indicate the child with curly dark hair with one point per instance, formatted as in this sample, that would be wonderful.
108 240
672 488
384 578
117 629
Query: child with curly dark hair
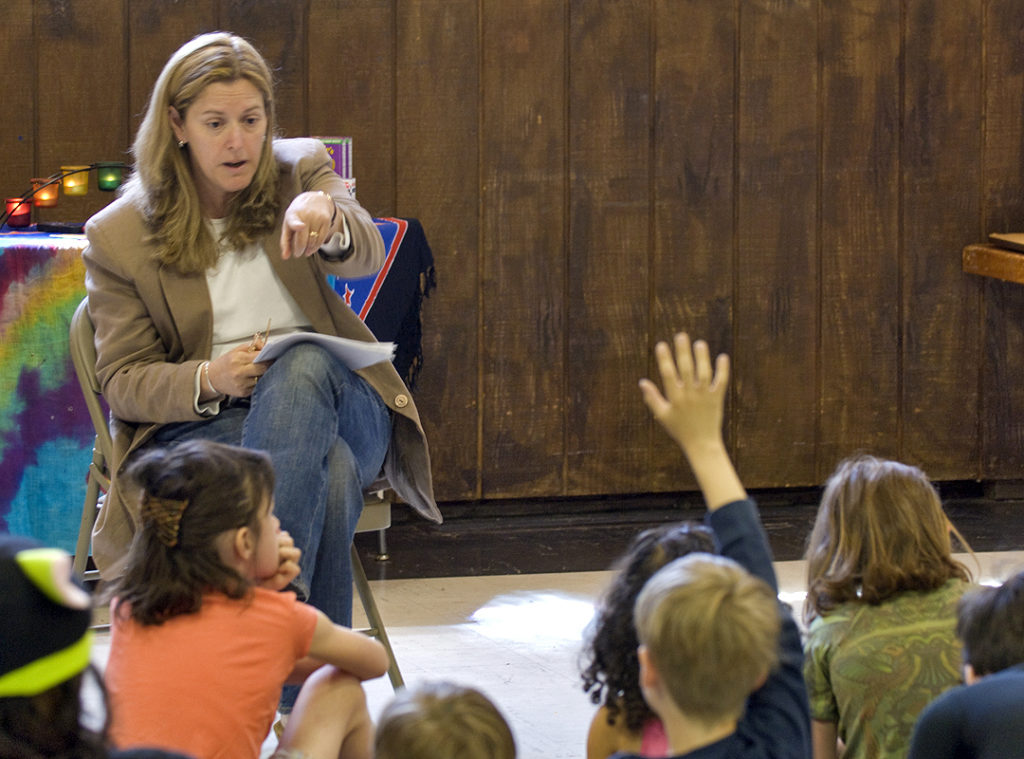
624 721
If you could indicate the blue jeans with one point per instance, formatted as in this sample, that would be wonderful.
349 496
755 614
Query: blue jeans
327 432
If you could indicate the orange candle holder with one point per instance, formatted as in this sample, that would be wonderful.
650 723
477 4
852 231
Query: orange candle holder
44 195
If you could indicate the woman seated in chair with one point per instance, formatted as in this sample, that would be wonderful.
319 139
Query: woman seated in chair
221 231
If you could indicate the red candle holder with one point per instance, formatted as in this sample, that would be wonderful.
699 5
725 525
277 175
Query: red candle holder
19 212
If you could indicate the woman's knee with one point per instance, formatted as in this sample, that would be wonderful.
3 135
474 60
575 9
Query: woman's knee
303 358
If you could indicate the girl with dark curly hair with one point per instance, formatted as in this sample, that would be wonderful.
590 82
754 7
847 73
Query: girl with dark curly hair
624 721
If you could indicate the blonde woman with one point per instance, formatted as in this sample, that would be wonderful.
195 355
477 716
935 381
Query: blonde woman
221 230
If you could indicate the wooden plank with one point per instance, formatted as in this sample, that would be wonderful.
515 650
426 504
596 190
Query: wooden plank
693 164
278 30
1002 407
437 181
352 89
523 228
776 304
990 261
860 356
1002 359
941 187
608 292
82 111
18 87
158 29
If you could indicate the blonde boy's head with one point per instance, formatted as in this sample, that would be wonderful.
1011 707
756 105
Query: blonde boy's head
711 632
442 721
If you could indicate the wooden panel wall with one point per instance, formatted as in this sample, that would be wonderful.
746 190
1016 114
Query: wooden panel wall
1001 436
793 180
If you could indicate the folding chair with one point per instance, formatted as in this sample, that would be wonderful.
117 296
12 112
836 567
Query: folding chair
376 514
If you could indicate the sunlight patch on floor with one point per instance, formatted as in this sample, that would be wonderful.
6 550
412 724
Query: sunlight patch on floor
530 616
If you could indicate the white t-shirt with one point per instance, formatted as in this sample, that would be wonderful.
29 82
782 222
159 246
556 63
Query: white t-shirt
245 292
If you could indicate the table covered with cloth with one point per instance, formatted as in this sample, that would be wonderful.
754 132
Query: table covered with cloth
45 432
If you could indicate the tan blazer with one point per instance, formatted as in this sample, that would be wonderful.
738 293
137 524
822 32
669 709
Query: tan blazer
154 327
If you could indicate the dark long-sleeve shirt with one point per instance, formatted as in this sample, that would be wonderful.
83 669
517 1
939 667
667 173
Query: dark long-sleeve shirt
776 722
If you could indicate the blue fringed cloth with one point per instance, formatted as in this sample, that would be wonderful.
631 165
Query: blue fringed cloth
389 301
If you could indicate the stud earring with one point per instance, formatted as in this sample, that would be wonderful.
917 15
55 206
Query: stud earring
181 143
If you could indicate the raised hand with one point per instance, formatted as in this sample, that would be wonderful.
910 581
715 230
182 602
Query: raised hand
690 406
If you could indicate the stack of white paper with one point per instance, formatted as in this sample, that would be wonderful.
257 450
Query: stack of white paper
356 354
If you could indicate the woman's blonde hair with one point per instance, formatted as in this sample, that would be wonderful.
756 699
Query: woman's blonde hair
162 184
880 530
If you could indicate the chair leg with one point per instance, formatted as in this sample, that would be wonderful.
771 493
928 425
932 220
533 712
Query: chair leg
377 629
382 546
89 511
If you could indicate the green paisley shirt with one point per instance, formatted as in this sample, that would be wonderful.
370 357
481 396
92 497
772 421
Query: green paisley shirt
873 669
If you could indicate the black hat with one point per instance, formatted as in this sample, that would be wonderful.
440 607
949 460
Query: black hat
44 618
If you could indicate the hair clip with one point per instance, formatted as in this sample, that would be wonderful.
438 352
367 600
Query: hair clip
165 514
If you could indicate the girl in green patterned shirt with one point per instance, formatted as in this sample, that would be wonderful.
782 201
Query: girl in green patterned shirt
881 608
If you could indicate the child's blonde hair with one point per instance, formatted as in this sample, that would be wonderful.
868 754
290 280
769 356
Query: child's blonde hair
712 632
880 530
443 721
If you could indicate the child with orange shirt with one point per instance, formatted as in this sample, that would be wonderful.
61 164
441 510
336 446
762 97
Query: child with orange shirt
203 641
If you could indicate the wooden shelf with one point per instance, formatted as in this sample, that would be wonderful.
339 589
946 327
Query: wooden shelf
990 261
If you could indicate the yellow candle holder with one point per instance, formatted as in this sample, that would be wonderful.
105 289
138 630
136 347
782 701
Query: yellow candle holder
76 180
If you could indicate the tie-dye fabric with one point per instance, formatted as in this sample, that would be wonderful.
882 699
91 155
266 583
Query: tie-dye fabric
45 432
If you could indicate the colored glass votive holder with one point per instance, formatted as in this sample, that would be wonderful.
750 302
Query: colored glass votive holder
76 181
109 176
44 195
19 212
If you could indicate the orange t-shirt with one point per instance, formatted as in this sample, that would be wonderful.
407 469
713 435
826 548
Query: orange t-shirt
208 683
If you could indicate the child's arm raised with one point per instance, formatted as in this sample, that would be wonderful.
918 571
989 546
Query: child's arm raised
691 411
353 652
